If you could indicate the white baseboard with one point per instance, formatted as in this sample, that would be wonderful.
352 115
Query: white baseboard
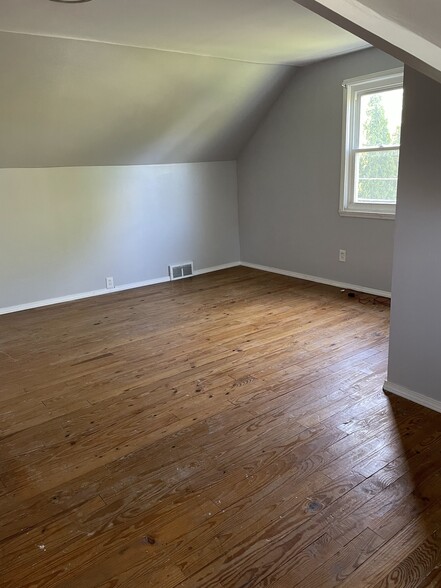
216 268
80 296
413 396
102 292
160 280
326 281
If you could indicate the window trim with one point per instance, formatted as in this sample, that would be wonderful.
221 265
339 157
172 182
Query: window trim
354 87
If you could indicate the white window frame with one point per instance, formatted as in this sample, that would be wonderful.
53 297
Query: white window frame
354 88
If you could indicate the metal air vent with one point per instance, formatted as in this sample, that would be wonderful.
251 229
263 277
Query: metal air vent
178 272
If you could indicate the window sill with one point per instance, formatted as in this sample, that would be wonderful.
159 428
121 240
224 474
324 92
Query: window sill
367 214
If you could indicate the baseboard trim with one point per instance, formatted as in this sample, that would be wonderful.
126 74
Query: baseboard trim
80 296
319 280
104 291
413 396
216 268
162 279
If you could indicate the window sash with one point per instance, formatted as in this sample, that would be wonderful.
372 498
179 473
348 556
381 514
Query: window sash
354 89
354 178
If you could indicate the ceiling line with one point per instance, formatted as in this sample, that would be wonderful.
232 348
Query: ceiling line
70 38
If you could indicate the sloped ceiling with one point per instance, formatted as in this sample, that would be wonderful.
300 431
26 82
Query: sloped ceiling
82 85
407 29
69 103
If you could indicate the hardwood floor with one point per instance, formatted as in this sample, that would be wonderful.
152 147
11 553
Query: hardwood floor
227 431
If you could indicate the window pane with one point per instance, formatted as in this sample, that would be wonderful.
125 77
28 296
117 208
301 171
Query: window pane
380 118
376 176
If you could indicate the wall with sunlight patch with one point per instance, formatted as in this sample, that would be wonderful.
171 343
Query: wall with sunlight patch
64 230
99 155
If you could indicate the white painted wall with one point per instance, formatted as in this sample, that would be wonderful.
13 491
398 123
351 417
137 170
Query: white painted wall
415 337
289 183
63 230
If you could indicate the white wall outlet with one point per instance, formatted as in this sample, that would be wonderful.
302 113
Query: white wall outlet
342 255
109 283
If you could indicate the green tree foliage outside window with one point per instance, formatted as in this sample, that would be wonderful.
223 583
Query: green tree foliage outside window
378 170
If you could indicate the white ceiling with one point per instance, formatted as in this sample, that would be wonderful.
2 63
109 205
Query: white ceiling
259 31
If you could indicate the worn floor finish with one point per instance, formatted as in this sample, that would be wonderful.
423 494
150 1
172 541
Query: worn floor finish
227 431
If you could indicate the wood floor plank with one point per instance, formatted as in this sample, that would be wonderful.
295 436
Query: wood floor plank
345 562
396 550
226 431
417 566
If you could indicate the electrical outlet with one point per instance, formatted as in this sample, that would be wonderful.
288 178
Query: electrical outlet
342 255
109 283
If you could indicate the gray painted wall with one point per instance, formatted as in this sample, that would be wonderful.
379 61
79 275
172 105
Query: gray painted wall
64 230
66 103
415 338
289 183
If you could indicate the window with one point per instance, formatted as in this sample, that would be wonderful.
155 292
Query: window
371 144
